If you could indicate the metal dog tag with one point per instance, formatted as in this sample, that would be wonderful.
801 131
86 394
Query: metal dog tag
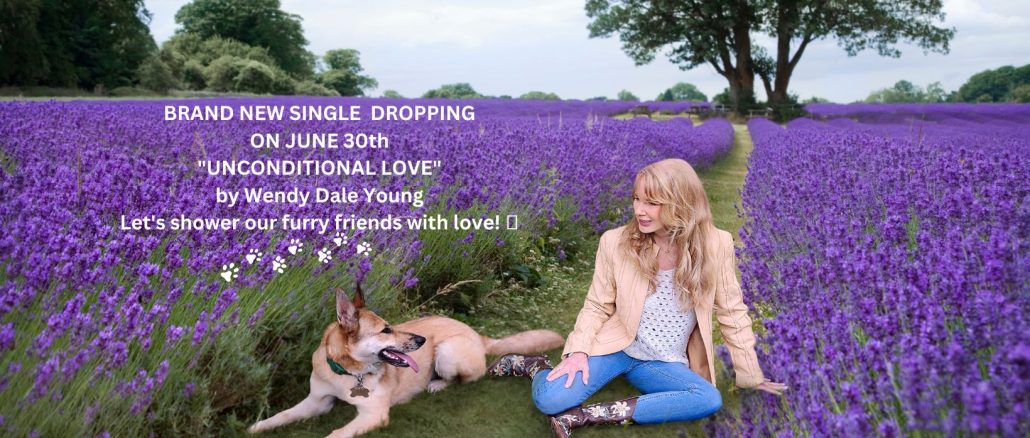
359 391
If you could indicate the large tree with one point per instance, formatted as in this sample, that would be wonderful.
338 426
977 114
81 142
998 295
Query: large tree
344 73
258 23
721 32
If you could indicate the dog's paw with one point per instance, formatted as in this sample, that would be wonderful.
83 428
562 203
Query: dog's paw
436 385
255 428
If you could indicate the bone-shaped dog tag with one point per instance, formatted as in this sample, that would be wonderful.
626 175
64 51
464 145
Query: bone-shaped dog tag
359 391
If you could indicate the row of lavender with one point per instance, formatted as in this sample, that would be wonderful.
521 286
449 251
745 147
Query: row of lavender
893 260
127 314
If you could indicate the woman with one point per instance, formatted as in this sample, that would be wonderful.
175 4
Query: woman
648 315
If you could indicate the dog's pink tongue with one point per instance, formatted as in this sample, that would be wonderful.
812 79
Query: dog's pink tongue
408 360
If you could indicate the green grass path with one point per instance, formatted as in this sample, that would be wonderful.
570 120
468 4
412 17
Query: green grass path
501 407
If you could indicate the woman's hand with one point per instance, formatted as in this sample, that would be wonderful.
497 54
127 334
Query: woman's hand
772 387
574 362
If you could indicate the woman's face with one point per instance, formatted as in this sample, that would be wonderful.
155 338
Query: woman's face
647 213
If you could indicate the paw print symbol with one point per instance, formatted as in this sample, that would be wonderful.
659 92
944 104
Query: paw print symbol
340 239
230 272
278 265
254 256
363 248
296 247
325 255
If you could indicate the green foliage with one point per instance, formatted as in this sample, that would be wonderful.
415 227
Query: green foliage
221 74
255 77
460 90
816 99
312 88
74 43
904 91
625 95
1021 94
205 50
723 98
539 95
154 74
392 94
460 267
343 59
256 23
682 91
193 75
131 92
224 64
996 85
346 83
344 73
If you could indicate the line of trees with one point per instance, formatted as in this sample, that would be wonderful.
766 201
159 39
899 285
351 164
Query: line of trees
1004 84
220 45
73 43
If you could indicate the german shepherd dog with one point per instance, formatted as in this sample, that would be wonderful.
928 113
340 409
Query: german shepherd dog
351 363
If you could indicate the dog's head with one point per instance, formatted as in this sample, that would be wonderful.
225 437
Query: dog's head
361 340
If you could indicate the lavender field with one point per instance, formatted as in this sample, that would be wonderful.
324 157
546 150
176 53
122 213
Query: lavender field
887 249
885 257
130 332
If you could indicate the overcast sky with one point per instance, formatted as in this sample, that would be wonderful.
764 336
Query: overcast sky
511 47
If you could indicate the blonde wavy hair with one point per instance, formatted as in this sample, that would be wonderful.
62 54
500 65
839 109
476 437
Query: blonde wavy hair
685 212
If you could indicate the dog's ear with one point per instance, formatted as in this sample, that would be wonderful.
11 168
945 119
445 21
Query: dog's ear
346 311
359 296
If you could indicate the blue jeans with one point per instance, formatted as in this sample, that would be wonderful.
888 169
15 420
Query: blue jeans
671 391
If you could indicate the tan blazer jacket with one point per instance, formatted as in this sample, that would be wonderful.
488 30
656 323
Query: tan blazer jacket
611 313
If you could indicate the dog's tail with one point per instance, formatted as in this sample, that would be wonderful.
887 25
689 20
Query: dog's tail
527 342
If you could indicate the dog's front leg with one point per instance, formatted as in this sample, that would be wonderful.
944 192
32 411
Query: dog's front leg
311 406
371 415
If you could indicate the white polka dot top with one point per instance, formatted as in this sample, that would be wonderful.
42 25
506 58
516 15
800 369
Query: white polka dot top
664 326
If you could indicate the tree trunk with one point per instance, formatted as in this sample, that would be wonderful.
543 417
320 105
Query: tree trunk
745 72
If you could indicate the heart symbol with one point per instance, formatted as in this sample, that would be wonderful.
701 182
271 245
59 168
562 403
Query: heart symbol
293 249
250 258
227 275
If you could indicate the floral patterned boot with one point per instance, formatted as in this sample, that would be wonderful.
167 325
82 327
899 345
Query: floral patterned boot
617 412
519 365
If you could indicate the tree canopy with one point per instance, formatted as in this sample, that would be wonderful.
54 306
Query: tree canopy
626 95
998 85
256 23
539 95
682 91
460 90
905 91
73 43
344 73
719 33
